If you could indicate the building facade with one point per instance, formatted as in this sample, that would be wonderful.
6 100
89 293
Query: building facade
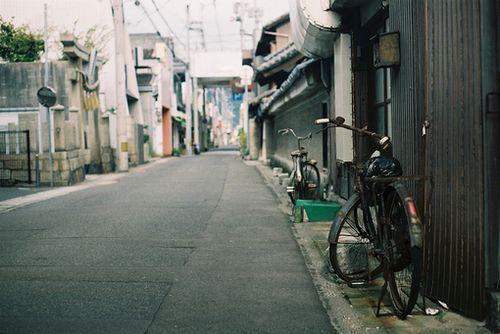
437 99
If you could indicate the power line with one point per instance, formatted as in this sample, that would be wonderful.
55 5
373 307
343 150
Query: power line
217 23
169 46
166 23
143 16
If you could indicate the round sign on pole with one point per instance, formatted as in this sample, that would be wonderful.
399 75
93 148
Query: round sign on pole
46 97
246 74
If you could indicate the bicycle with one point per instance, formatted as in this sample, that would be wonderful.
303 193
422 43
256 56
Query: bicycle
378 229
305 178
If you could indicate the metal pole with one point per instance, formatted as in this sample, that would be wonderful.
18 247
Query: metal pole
189 135
196 117
28 148
37 171
40 137
245 115
256 25
121 98
46 83
245 96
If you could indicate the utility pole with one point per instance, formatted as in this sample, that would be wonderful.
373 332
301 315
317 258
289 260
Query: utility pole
189 138
121 98
240 9
196 116
46 83
257 13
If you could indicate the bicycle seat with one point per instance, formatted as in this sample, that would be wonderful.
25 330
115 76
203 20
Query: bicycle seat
298 153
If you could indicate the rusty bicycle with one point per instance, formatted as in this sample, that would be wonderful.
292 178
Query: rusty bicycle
378 229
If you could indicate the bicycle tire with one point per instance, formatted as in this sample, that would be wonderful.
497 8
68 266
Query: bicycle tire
295 194
351 260
403 244
312 182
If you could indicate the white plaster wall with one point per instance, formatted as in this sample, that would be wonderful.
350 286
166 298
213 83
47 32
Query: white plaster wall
343 96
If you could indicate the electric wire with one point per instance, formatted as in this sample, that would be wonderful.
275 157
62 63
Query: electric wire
169 46
166 23
217 23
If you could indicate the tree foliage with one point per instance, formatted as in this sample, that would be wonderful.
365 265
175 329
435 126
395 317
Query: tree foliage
19 44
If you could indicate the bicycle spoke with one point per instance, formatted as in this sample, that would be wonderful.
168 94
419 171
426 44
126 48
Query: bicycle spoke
354 228
350 254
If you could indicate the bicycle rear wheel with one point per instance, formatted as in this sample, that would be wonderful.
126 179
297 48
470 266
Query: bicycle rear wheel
351 253
402 240
311 181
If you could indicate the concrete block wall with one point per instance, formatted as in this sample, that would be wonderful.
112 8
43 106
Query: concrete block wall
13 169
68 168
107 159
300 118
19 83
132 142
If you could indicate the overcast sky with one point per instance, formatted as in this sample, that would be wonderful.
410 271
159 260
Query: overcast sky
221 33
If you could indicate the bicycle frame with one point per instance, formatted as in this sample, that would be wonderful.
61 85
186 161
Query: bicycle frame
368 195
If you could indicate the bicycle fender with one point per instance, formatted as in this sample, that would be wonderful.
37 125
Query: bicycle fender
340 215
416 234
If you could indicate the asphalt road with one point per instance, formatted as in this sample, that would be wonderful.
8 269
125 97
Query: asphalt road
194 245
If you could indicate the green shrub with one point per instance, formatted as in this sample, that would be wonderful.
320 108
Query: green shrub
243 142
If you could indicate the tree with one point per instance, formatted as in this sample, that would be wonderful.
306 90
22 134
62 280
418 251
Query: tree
19 44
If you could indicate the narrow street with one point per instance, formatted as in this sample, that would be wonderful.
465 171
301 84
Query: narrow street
193 245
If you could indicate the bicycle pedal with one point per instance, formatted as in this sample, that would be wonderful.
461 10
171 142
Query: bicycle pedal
358 284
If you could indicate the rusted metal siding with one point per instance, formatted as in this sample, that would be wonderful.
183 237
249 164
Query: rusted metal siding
454 253
407 89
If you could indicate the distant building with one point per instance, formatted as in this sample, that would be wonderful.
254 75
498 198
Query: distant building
164 115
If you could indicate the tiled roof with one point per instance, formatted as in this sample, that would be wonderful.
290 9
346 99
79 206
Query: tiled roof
277 58
287 84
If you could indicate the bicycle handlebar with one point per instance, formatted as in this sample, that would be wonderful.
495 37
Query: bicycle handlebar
287 130
383 140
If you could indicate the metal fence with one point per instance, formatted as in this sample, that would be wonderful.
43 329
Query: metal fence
17 143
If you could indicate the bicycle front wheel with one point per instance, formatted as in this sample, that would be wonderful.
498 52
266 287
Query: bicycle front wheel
295 194
352 254
403 246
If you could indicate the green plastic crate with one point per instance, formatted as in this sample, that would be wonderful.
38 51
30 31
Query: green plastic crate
316 211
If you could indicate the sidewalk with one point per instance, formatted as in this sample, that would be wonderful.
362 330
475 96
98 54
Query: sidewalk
353 310
16 197
19 191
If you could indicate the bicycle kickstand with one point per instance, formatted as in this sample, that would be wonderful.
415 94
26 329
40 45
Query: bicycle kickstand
382 295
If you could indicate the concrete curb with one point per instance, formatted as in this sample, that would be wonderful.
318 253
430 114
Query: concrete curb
342 316
93 180
338 299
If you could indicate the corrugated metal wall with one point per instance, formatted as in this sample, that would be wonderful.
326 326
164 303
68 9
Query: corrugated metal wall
454 251
440 80
407 85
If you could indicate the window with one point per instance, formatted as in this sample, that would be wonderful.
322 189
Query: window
380 101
